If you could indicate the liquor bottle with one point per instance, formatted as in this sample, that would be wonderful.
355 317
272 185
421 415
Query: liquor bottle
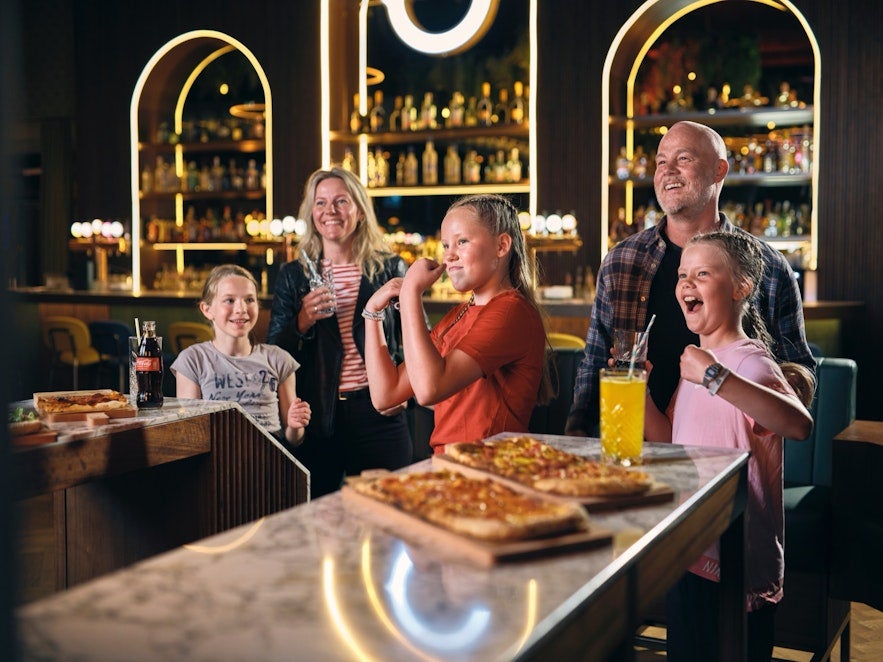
501 110
490 169
159 175
377 117
395 117
430 164
205 178
501 174
484 110
428 113
149 368
623 165
452 165
400 170
371 170
146 180
517 110
217 174
411 167
192 177
252 176
237 179
514 166
457 116
471 168
409 114
381 169
349 160
471 117
355 116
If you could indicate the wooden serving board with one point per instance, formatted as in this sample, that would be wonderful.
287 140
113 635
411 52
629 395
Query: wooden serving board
91 417
453 545
44 436
658 492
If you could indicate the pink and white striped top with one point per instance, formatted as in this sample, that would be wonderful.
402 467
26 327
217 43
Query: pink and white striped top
347 278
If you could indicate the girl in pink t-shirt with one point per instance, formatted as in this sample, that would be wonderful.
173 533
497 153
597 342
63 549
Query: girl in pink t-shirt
732 394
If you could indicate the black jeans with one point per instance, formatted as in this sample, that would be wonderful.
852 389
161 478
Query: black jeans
691 623
363 439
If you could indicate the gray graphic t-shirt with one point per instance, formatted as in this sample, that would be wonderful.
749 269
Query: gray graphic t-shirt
252 381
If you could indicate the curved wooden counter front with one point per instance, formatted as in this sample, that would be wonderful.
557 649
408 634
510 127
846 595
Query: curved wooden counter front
141 486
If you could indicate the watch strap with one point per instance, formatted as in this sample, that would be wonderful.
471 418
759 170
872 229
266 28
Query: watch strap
715 384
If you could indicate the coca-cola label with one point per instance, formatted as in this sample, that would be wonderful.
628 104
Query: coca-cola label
147 364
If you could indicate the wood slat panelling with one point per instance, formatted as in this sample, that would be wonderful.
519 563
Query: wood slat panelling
254 478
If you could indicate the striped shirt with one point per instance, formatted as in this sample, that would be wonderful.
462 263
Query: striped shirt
347 278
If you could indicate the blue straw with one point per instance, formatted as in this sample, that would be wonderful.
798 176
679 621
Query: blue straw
640 345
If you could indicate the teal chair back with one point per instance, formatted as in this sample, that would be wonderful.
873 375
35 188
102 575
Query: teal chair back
808 462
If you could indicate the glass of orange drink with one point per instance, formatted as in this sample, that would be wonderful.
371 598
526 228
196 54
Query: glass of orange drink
622 415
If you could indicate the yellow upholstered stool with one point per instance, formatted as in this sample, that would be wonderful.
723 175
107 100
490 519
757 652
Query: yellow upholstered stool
69 344
184 334
565 340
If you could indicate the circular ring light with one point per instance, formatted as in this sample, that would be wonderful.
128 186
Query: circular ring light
470 29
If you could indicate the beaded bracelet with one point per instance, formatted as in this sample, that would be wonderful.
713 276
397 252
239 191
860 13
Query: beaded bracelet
378 316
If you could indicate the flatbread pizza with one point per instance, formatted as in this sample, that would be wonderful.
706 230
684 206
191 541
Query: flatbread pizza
80 401
547 469
483 509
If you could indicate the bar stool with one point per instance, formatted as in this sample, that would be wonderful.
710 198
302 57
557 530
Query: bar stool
565 341
111 339
69 343
184 334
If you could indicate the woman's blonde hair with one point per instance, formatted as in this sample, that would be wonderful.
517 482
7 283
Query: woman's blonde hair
499 216
369 248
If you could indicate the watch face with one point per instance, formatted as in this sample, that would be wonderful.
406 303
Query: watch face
711 372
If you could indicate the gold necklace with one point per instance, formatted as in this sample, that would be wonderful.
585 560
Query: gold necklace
470 302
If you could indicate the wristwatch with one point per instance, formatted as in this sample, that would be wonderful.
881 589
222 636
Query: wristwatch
715 374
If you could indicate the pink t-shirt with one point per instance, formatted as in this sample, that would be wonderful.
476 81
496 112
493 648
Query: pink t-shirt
701 419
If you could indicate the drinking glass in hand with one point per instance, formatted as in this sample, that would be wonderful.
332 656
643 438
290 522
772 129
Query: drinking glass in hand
624 344
325 279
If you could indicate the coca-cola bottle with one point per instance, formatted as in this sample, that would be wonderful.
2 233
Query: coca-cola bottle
149 367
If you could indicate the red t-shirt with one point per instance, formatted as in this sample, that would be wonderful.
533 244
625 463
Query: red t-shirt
507 340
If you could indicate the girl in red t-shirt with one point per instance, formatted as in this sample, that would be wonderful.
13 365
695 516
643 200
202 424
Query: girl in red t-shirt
483 368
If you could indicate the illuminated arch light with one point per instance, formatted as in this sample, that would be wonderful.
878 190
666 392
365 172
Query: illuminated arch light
784 6
231 44
468 31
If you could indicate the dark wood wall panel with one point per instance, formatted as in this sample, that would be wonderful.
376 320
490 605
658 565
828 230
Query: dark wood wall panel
850 191
115 40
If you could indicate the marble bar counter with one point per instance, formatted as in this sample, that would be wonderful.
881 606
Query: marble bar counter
326 581
142 485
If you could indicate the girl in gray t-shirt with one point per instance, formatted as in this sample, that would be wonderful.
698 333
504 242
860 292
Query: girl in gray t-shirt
231 367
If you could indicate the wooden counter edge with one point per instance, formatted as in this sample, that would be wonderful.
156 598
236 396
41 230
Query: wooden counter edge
870 432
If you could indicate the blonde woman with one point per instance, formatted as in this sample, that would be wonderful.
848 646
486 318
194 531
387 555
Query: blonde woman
346 434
